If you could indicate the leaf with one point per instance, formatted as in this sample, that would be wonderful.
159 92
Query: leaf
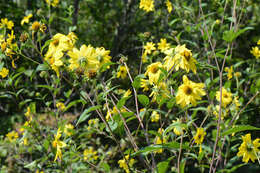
46 44
230 35
42 67
239 129
143 99
86 114
162 166
122 101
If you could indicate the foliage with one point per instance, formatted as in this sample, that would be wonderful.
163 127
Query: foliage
129 86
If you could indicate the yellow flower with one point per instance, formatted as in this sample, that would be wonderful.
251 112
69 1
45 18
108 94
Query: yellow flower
12 136
236 101
256 52
26 19
199 137
159 140
43 28
155 116
145 84
153 72
103 56
4 72
226 97
28 114
159 92
258 42
127 93
68 129
123 163
177 129
84 59
54 3
144 57
58 144
237 74
122 73
248 149
6 23
149 47
147 5
90 154
224 112
163 45
60 106
169 6
189 92
229 71
218 21
35 26
183 59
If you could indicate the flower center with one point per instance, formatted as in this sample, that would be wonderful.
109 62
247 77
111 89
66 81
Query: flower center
56 43
187 90
249 147
186 55
225 95
154 69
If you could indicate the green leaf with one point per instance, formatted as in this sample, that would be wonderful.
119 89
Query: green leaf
137 81
86 114
239 129
106 167
42 67
46 44
122 101
163 166
230 35
143 99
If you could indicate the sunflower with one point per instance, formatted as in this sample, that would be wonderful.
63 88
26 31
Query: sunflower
189 92
153 72
199 137
226 97
248 149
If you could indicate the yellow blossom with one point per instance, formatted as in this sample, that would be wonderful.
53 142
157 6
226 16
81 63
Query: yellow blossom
256 52
122 72
159 92
26 19
68 129
60 106
127 93
237 74
229 71
183 59
155 117
199 137
177 129
35 26
58 144
169 6
218 21
90 154
224 112
147 5
163 45
249 149
258 42
6 23
149 47
123 163
226 97
236 101
145 84
160 140
4 72
153 72
189 92
12 136
53 3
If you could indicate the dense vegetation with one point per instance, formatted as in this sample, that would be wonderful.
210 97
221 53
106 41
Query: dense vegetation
129 86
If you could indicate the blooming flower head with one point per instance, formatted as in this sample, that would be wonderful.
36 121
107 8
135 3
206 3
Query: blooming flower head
169 6
122 72
177 129
149 47
68 129
153 72
256 52
58 144
35 26
229 71
183 59
226 97
12 136
147 5
6 23
90 154
26 19
145 84
4 72
163 45
189 92
127 93
248 149
123 163
53 3
199 137
155 116
60 106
